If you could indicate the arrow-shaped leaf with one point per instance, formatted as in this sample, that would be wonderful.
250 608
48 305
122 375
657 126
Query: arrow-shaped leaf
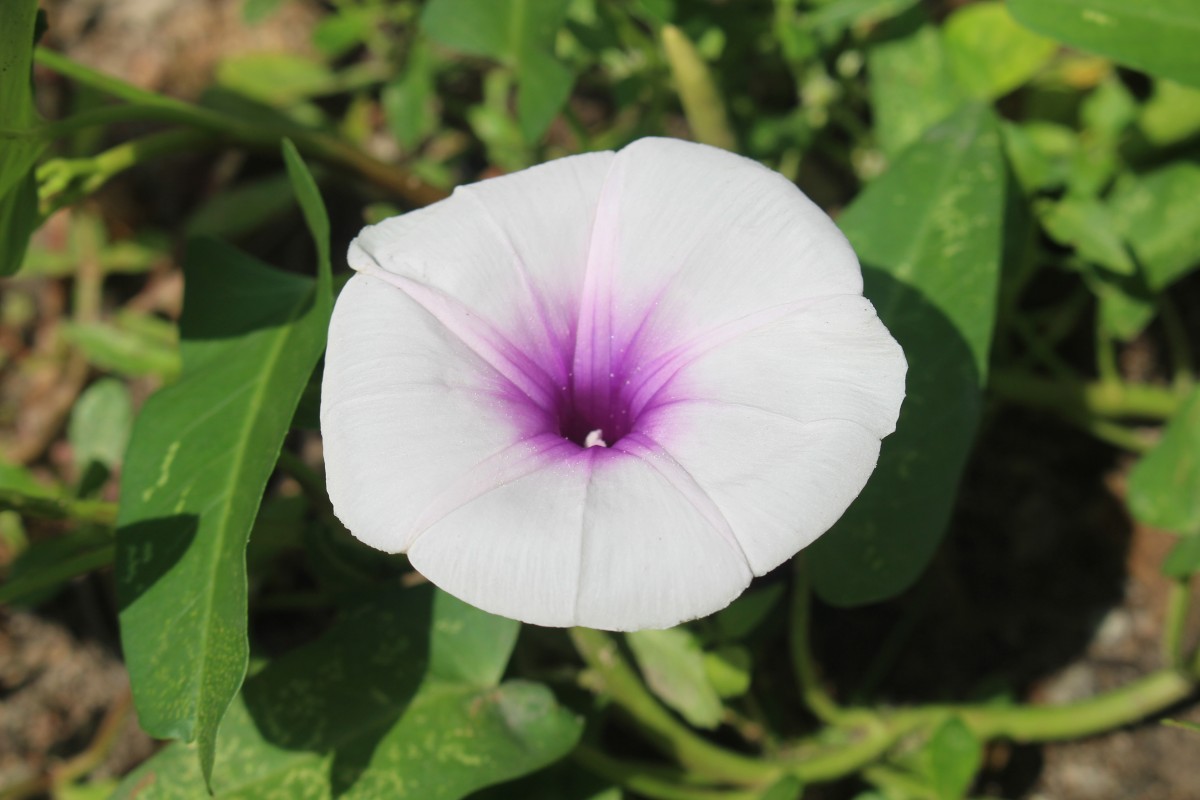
198 462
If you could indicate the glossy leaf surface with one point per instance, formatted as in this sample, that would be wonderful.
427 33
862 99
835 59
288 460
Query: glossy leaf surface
201 453
929 234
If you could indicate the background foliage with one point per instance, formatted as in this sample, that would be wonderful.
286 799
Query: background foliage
1020 180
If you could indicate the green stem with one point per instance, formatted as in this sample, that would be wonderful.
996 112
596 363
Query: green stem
1028 724
1119 400
599 651
800 644
1178 601
899 783
1041 350
1114 434
94 511
650 781
817 764
318 145
1106 357
63 181
115 114
810 762
1177 341
698 92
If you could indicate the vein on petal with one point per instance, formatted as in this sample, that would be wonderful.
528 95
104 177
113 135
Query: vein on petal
499 469
583 531
592 345
693 401
527 282
666 366
651 452
479 336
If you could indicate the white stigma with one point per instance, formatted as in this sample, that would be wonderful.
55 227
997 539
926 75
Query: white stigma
595 439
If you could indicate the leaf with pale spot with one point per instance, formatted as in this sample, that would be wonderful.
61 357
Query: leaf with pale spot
201 453
930 233
401 699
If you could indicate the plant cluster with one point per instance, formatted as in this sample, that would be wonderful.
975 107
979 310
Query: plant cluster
1020 181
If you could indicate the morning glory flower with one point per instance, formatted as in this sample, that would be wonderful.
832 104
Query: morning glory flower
608 390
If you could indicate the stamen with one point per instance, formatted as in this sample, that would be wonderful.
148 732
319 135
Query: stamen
595 439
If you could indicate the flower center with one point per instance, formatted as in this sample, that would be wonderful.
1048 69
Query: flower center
592 418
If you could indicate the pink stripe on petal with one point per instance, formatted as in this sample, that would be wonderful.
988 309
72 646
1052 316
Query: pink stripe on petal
502 355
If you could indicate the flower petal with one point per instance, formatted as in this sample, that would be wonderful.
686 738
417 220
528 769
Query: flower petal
652 558
512 250
599 538
689 238
407 409
781 426
779 482
831 359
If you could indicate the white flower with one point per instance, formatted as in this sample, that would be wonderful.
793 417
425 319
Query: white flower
608 390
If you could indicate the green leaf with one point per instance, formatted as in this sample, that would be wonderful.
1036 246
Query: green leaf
1159 214
492 123
1184 558
672 663
18 479
1157 36
1040 154
20 142
989 52
1086 224
499 29
1108 110
657 12
1171 115
1126 306
98 431
517 33
21 492
565 780
728 670
18 119
275 79
315 217
951 758
911 85
197 465
124 352
18 219
364 713
543 86
92 790
87 238
100 424
345 29
470 647
786 788
243 208
744 615
409 100
929 233
40 571
834 18
1164 487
